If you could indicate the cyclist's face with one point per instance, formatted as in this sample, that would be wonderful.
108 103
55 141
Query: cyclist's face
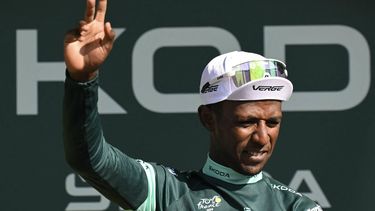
244 134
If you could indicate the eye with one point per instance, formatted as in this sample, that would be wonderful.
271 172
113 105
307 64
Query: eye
248 122
273 122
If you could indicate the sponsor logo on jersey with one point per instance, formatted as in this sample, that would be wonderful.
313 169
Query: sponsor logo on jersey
267 88
218 172
209 203
284 188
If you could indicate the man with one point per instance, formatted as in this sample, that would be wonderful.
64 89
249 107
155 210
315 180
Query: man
241 94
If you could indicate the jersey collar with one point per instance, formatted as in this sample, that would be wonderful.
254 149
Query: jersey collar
218 171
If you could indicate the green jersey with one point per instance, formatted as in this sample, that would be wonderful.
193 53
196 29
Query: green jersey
138 185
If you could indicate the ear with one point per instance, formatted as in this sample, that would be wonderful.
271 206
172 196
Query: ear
207 117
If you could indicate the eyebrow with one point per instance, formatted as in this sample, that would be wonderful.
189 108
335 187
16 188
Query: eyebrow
277 118
250 117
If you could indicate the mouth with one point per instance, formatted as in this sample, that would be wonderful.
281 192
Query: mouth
254 156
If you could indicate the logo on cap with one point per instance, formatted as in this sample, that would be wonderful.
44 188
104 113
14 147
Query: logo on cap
268 88
207 87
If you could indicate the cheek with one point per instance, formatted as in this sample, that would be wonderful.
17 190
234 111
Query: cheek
274 134
233 138
242 134
241 137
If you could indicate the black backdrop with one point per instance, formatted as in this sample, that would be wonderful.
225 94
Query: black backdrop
325 148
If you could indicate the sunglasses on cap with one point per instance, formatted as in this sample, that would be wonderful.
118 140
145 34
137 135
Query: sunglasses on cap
252 70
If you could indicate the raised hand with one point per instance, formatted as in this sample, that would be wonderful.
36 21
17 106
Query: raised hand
87 46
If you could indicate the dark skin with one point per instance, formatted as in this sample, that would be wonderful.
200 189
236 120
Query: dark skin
243 134
87 46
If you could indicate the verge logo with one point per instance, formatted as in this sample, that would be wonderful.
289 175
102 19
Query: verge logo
268 88
209 203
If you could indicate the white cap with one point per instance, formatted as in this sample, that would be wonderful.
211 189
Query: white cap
265 88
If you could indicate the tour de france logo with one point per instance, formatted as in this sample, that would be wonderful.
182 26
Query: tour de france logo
209 204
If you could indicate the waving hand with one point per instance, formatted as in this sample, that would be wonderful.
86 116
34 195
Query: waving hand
87 46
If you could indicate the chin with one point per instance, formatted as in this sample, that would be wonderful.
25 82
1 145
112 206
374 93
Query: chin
251 170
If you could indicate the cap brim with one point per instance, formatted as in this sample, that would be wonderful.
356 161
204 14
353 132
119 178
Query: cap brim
272 88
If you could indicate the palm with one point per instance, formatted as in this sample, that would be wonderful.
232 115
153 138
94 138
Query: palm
86 47
86 52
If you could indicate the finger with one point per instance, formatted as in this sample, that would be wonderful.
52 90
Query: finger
71 35
109 31
90 10
101 10
84 27
82 23
109 36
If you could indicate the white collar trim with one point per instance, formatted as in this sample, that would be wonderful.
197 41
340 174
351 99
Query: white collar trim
218 171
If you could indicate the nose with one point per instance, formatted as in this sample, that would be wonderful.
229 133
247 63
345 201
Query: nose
260 134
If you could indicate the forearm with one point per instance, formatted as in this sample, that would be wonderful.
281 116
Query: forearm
113 173
81 125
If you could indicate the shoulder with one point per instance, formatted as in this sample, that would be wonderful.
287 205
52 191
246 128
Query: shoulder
290 198
280 188
170 176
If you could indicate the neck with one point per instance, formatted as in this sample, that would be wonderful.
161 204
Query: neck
218 171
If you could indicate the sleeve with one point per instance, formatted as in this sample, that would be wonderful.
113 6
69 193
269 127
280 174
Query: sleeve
128 182
306 204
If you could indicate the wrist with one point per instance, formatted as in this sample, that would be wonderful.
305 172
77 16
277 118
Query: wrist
83 76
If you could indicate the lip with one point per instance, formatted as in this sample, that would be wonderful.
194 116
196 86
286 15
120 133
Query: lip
254 156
